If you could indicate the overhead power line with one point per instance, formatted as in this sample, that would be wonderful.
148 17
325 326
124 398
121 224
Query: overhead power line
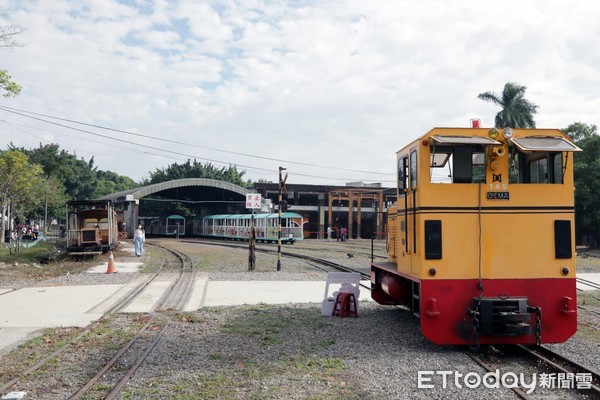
25 114
16 111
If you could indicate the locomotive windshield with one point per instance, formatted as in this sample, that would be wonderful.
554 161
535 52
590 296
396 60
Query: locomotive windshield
458 164
459 159
538 159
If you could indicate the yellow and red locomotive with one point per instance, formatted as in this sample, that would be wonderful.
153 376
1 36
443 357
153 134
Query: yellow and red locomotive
481 238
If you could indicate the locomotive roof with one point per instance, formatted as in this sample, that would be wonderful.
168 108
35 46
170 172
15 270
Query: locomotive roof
519 134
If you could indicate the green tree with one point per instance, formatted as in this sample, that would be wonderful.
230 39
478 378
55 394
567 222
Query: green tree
196 169
9 87
580 132
8 40
18 182
516 112
111 182
80 179
586 167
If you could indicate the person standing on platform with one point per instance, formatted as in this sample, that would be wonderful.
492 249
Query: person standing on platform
328 233
138 239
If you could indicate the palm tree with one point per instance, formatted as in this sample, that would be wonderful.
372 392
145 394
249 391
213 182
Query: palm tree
517 112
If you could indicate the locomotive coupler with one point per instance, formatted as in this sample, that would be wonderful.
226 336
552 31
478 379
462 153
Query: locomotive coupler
501 316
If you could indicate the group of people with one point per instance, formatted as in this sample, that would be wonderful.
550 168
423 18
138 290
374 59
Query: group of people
26 232
341 233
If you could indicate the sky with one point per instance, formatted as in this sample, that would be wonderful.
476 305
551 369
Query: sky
329 90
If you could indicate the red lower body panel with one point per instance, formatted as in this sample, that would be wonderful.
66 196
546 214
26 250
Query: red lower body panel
444 304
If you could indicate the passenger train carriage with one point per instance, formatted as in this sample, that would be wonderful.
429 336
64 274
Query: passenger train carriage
93 227
481 238
237 226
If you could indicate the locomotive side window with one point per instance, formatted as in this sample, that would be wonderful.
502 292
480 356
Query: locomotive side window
557 168
402 174
413 169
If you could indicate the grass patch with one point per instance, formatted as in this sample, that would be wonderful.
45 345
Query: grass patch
28 255
589 298
588 332
156 256
265 322
104 337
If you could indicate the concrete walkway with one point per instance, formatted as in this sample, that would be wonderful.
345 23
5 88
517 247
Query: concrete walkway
24 312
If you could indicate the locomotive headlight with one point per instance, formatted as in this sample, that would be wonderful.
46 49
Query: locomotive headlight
493 133
507 133
564 271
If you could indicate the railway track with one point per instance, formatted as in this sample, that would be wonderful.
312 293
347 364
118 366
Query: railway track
553 371
154 324
269 250
587 282
178 295
138 347
175 298
356 249
316 262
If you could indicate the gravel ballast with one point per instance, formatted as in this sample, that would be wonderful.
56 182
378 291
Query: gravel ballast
265 352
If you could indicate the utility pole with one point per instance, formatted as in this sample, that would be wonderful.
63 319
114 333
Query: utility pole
281 190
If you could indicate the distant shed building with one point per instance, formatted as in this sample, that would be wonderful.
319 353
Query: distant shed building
360 208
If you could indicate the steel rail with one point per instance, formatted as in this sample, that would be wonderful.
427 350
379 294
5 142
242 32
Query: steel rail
563 364
331 264
589 283
110 363
180 290
167 298
520 392
134 292
117 389
40 363
348 248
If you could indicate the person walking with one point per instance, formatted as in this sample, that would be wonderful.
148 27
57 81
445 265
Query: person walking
138 239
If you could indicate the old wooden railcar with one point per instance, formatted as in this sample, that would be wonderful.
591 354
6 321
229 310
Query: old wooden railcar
93 227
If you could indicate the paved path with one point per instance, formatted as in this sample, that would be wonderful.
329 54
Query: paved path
24 312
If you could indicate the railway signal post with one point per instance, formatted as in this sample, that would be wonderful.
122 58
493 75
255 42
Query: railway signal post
282 189
253 201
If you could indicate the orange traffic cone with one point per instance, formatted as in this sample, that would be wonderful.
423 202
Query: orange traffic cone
111 264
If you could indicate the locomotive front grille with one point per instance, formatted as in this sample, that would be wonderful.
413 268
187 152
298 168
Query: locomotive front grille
503 316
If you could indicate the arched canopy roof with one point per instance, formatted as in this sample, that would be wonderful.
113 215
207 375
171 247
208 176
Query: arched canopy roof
141 192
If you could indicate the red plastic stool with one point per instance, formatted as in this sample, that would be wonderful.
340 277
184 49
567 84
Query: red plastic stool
345 304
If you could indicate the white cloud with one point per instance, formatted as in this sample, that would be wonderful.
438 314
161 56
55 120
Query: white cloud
338 83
